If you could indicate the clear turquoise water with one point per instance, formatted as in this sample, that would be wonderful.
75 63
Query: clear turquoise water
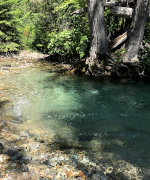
81 112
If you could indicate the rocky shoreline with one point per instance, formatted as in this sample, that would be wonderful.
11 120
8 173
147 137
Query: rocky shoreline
23 54
111 70
27 156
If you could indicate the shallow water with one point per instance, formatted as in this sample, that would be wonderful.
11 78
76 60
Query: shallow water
80 112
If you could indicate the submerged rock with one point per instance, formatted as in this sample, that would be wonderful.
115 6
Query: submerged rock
34 145
2 124
24 133
66 66
4 158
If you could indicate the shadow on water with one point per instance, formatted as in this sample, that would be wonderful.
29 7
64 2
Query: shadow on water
13 160
17 156
3 102
98 171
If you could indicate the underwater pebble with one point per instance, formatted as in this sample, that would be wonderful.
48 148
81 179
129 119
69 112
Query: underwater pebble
24 133
2 124
34 145
4 158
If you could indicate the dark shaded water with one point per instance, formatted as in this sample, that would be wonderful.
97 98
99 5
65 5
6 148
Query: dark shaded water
80 112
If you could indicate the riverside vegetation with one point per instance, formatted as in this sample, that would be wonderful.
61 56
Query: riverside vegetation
65 30
57 125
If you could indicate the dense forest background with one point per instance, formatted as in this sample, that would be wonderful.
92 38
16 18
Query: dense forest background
45 26
51 26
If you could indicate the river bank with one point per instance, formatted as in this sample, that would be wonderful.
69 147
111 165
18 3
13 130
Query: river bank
113 69
25 154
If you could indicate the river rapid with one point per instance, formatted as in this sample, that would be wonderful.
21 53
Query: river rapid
67 126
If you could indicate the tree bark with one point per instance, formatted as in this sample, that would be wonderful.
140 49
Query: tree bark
99 45
137 32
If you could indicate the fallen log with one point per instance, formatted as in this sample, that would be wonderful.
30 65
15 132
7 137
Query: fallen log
118 41
121 12
118 11
124 12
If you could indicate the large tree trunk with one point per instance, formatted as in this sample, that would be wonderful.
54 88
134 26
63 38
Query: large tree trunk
137 32
99 46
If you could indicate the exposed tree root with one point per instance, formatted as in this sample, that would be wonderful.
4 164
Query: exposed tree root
111 69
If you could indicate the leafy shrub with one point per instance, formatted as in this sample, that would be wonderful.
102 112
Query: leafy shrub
70 36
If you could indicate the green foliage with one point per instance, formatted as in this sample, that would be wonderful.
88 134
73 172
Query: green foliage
82 47
114 25
27 25
9 22
147 33
146 56
118 54
50 26
69 37
60 42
